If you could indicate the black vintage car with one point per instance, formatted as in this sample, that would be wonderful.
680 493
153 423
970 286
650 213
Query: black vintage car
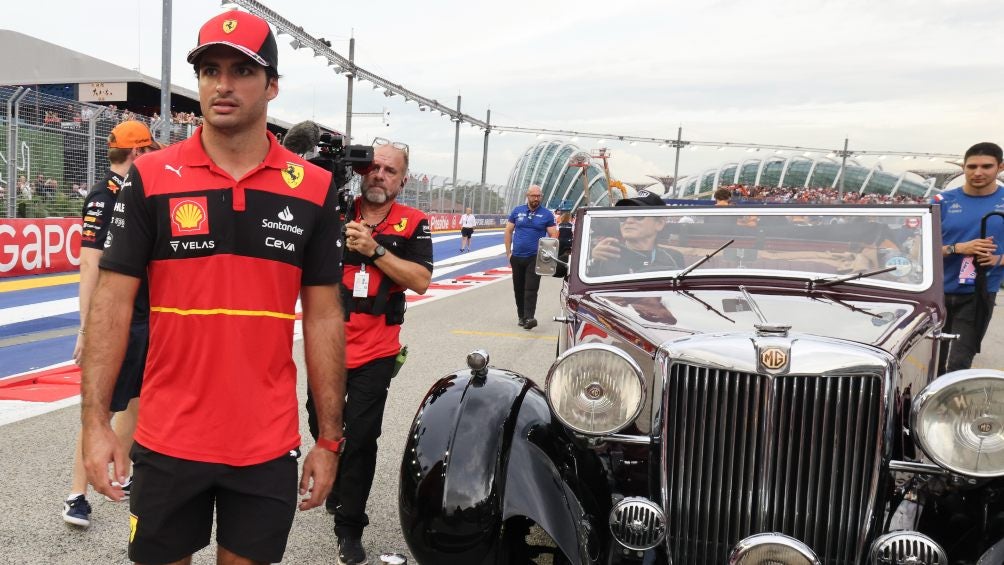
732 385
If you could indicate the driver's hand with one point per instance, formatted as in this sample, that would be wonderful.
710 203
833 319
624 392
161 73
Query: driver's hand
606 249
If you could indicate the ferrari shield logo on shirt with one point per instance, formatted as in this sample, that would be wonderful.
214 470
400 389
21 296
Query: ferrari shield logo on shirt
229 26
292 174
399 227
189 216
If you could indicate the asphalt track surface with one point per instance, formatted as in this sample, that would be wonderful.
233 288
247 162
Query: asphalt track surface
35 453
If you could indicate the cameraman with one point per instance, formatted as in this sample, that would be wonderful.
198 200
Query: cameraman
388 250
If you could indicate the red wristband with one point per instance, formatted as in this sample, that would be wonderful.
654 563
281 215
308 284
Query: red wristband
336 446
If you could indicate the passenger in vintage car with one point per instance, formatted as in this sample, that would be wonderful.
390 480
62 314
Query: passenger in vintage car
635 248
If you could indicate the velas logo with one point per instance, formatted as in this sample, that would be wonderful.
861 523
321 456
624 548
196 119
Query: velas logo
292 174
229 26
400 226
189 216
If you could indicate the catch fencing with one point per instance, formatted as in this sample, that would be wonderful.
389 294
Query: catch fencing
52 150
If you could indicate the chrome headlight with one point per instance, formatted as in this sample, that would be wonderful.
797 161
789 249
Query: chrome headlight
595 389
772 548
958 421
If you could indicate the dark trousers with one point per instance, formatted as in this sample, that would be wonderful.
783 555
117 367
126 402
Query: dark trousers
525 283
963 313
366 395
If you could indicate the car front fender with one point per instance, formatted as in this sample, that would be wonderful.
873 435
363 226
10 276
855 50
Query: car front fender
482 449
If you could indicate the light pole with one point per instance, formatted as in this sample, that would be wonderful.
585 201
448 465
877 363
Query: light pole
456 149
165 74
843 169
350 75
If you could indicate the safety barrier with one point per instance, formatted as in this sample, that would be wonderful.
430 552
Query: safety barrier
39 246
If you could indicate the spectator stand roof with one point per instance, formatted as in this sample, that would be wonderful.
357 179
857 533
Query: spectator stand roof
48 64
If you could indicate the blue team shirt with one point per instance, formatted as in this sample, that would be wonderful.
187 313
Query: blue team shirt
530 227
961 215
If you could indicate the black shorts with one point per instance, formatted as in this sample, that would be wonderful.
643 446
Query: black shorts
130 379
172 500
466 232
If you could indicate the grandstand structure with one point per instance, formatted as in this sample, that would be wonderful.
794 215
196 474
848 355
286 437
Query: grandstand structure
801 171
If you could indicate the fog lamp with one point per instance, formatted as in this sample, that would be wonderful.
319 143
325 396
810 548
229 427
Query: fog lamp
958 421
595 389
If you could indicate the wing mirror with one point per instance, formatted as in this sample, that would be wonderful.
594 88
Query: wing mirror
547 257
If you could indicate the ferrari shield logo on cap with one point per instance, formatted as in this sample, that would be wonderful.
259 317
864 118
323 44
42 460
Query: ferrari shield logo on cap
292 174
229 26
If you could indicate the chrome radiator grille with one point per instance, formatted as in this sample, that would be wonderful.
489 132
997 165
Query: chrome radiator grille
749 453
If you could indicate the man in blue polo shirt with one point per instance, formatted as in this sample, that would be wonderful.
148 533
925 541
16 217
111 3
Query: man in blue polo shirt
972 264
527 224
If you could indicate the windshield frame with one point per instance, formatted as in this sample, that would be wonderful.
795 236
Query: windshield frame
920 211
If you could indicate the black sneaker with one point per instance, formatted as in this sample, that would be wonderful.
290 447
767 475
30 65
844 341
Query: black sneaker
77 511
351 552
521 322
530 323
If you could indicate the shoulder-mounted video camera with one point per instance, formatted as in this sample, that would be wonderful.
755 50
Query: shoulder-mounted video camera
342 160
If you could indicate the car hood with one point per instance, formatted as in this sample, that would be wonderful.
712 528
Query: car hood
659 316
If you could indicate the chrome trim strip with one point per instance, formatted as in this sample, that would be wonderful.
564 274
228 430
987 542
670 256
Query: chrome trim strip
628 439
918 468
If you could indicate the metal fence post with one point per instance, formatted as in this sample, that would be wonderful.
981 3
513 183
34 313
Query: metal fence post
92 133
11 155
13 115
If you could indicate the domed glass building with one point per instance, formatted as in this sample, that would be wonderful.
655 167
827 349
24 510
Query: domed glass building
547 165
802 171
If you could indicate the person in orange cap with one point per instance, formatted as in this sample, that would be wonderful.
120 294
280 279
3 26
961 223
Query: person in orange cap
127 141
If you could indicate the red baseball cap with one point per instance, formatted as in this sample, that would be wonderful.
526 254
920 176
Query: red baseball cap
245 32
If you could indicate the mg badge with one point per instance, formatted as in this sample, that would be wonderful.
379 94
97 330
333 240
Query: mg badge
773 359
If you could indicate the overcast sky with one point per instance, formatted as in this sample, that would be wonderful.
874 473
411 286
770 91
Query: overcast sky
905 75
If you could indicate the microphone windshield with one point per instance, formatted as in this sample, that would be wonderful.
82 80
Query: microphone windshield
302 138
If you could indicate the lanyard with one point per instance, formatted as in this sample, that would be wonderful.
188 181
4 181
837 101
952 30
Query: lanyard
373 227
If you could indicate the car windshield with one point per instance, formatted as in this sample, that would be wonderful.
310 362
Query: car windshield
812 243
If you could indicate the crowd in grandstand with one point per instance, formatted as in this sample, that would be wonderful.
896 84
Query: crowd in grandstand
113 114
815 195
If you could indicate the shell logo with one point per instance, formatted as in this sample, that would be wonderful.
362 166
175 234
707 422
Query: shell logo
189 216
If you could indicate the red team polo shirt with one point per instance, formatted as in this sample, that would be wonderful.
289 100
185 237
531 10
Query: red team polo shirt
226 259
404 233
